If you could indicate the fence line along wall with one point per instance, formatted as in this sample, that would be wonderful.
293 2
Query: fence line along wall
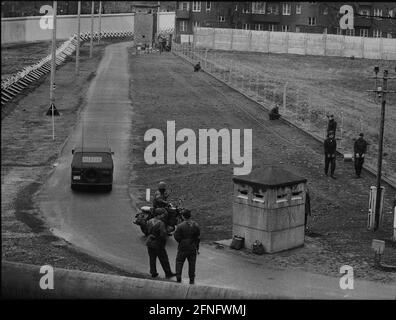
296 43
27 29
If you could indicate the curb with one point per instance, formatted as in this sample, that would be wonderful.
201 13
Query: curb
23 281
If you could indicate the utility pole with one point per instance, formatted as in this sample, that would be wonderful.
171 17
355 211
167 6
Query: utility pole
92 27
53 68
78 38
381 92
100 21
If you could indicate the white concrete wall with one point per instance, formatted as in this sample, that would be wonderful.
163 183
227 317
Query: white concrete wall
296 43
26 29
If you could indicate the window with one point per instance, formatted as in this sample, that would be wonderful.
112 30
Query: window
377 33
312 21
298 29
350 32
258 27
196 24
298 8
271 27
236 8
391 13
245 26
364 12
258 7
286 8
246 9
272 9
389 35
221 18
183 25
324 30
364 32
196 6
285 28
325 11
339 31
208 5
377 12
185 6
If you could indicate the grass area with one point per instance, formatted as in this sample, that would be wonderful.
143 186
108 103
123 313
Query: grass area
317 86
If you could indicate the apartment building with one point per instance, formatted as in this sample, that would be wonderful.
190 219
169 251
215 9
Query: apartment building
371 19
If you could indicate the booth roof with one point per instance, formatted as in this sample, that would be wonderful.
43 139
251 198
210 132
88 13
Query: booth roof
270 177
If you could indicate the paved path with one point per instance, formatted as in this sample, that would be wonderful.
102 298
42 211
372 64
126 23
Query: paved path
101 224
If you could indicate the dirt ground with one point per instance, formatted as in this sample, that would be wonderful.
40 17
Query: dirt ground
198 101
317 86
28 154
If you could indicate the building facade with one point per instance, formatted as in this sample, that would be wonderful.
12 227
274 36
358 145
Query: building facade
371 19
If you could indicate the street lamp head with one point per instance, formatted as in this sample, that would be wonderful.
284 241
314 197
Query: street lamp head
376 69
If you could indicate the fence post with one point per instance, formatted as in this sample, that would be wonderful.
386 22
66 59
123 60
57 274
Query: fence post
325 44
284 97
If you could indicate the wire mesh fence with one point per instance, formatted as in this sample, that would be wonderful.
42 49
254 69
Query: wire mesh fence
296 103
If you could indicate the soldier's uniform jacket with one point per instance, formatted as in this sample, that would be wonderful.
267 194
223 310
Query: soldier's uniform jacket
160 199
330 147
332 126
187 235
360 147
156 233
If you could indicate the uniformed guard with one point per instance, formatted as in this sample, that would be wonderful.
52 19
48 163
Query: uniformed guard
161 196
274 113
197 67
332 125
156 244
187 234
330 147
359 148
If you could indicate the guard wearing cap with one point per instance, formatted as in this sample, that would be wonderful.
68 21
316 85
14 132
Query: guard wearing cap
359 148
331 125
330 147
187 234
161 196
156 244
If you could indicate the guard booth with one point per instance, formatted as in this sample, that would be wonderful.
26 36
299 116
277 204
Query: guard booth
269 206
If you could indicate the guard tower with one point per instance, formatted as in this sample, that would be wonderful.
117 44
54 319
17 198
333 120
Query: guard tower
269 206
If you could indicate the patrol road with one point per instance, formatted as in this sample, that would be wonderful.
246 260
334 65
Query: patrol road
101 223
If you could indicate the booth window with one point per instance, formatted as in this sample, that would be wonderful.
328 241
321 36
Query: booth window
257 197
242 194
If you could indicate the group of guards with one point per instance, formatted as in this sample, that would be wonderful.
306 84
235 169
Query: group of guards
187 234
330 148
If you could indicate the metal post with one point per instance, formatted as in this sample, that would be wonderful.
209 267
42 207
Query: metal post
78 39
284 97
380 145
53 67
92 27
100 20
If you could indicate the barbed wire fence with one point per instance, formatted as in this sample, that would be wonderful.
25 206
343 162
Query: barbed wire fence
17 82
297 104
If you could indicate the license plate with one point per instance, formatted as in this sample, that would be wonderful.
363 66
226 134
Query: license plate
76 178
